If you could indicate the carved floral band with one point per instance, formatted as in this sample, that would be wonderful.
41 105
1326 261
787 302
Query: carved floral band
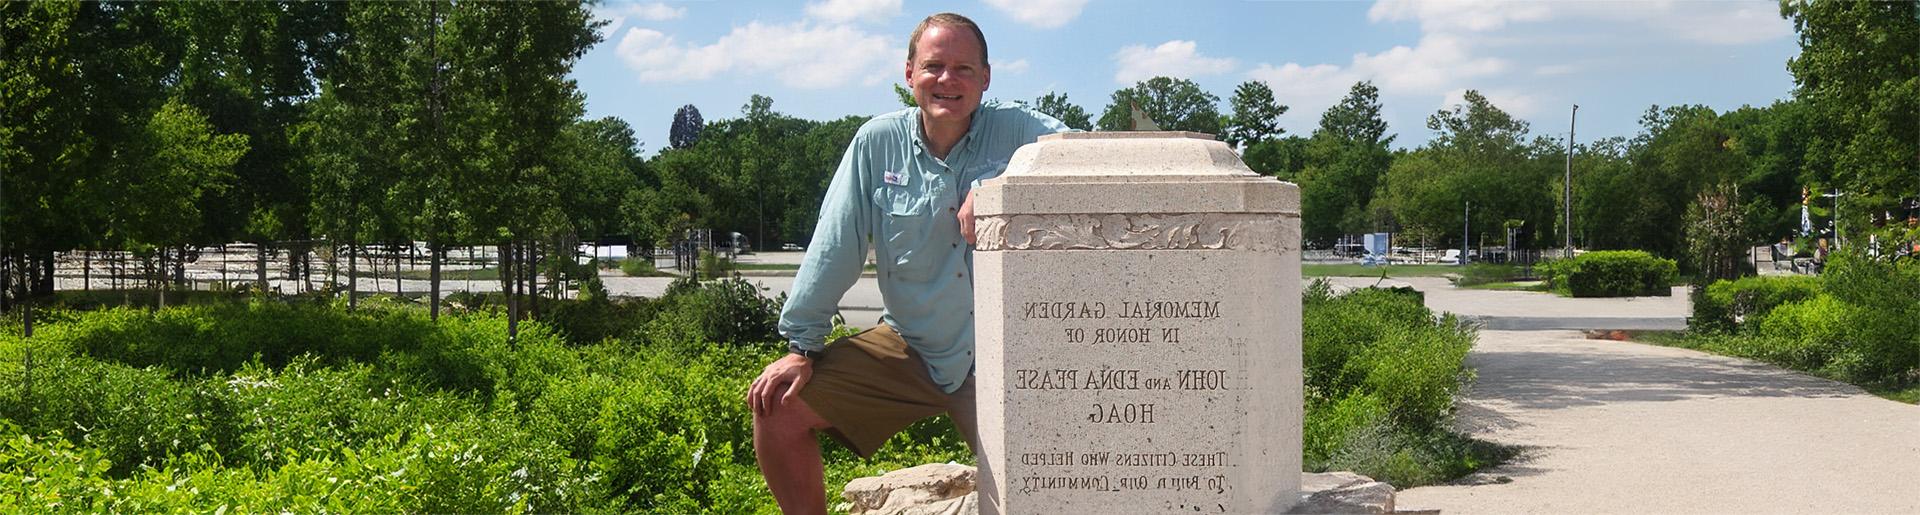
1191 231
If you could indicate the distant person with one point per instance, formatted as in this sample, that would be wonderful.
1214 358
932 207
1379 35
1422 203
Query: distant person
905 185
1819 257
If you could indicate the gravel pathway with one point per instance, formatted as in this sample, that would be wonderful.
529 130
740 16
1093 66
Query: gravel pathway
1613 427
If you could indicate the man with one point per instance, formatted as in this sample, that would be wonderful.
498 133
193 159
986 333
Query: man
905 188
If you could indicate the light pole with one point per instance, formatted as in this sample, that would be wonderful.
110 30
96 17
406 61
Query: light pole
1835 195
1566 188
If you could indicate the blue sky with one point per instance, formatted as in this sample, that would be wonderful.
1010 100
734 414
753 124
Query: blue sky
824 59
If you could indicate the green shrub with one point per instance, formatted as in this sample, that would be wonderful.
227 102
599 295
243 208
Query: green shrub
471 354
1483 273
1611 273
638 267
1859 321
134 416
1725 305
727 311
714 266
1381 374
590 321
675 425
222 337
1805 335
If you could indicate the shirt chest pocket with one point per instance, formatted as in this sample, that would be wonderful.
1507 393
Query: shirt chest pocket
906 222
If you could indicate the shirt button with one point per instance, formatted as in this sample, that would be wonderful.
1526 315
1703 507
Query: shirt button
954 208
963 274
956 245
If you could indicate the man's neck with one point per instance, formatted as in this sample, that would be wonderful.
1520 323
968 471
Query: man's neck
940 140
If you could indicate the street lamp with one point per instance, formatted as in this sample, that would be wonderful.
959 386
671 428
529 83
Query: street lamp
1567 187
1835 195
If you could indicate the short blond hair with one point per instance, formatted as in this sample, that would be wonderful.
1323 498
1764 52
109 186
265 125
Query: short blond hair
949 20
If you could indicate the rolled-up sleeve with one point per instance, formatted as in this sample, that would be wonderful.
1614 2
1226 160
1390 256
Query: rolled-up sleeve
834 258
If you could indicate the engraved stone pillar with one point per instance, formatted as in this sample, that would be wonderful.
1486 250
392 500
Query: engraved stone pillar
1138 323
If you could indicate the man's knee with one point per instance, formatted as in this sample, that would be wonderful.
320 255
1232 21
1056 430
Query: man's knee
791 416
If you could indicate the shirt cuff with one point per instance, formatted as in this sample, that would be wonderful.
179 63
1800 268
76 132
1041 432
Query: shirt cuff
809 347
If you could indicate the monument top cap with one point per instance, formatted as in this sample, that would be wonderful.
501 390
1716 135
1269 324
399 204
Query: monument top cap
1128 135
1125 156
1132 172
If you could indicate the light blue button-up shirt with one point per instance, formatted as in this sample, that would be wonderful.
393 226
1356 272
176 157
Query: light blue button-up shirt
891 191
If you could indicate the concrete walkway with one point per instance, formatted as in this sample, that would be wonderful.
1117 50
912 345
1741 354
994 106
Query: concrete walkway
1528 311
1613 427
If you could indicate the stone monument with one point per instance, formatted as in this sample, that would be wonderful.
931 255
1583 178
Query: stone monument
1138 328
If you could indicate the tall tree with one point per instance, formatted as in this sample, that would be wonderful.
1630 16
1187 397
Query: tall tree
686 127
1859 74
522 53
1479 155
1057 106
1174 105
1256 115
1342 167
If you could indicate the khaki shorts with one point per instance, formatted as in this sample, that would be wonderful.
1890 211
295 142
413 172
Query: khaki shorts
871 385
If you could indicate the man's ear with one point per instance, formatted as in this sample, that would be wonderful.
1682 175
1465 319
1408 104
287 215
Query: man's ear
909 75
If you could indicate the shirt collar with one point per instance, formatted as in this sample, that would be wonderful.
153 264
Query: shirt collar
966 140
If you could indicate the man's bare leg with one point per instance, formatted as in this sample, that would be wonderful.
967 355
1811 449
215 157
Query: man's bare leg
790 457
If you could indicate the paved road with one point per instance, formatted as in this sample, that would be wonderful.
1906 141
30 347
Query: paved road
1613 427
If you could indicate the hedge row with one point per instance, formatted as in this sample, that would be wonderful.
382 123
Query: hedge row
1610 273
257 407
1859 321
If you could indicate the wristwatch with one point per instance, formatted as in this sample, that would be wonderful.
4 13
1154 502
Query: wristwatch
794 348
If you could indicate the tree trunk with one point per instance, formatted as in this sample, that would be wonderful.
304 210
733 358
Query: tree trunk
353 272
435 252
333 267
86 270
510 274
26 305
260 265
397 290
44 282
160 281
533 280
6 282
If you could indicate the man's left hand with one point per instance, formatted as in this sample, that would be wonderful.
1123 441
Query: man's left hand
966 218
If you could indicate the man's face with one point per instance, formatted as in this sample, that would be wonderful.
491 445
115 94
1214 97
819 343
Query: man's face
947 74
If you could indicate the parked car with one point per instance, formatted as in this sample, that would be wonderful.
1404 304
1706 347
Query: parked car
791 247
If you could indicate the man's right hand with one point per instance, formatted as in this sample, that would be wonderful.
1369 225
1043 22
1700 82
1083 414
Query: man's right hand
780 382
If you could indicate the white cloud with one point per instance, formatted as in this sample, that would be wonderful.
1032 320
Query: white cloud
1436 65
1175 58
618 13
799 55
1045 14
1719 22
1462 15
1016 66
1437 62
842 11
1496 46
1306 89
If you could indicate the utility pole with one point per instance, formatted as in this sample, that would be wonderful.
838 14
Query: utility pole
1566 187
